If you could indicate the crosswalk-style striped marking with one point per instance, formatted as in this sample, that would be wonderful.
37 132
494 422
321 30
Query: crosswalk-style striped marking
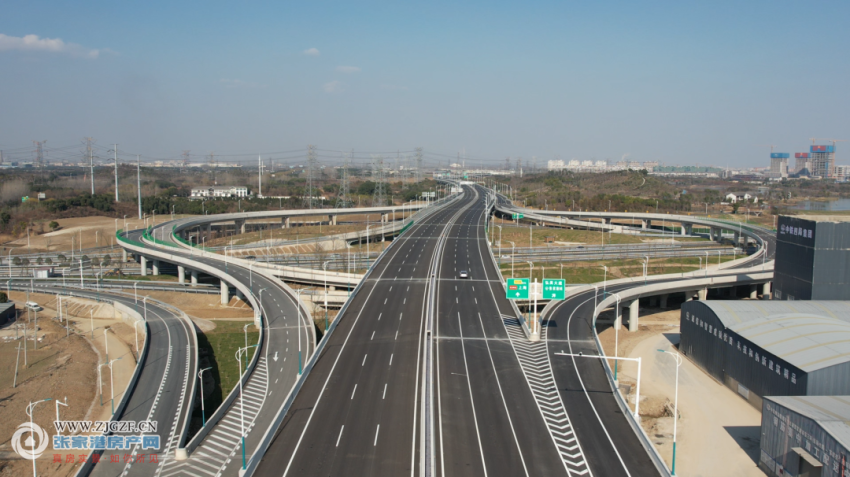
534 361
218 448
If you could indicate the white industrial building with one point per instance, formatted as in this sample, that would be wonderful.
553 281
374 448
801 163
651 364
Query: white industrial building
219 191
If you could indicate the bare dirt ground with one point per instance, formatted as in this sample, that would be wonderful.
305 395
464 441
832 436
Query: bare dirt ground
95 231
204 306
713 420
62 368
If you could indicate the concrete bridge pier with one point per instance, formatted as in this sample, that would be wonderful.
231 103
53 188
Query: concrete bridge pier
225 293
143 261
765 290
156 267
194 276
754 292
646 224
181 274
384 218
124 254
634 309
331 219
737 238
702 294
284 221
240 225
663 300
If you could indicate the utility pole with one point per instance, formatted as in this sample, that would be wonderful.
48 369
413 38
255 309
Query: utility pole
260 177
139 182
89 142
343 199
213 167
418 164
185 164
379 198
116 172
311 165
39 152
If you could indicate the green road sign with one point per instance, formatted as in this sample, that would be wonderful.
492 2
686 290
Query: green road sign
517 216
554 289
517 289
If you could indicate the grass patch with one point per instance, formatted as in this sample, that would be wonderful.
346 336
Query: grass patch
219 348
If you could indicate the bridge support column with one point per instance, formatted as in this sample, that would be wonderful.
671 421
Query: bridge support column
156 267
384 218
284 222
181 274
606 221
124 254
194 276
240 225
618 316
702 294
689 229
765 290
663 300
716 234
653 301
225 293
208 231
689 295
645 224
332 220
633 315
737 239
754 292
143 262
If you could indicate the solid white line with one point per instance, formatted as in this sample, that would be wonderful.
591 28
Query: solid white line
391 358
385 392
376 435
353 391
396 334
471 400
340 435
379 316
364 359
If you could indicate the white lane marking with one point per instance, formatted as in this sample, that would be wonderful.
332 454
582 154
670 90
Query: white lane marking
376 435
396 334
408 287
385 300
391 288
400 315
340 435
405 301
364 360
373 336
471 400
385 392
391 358
476 301
379 316
353 391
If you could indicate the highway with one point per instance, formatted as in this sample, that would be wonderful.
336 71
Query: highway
358 412
218 452
160 394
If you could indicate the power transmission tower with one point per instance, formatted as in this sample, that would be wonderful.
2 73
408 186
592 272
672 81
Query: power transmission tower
508 164
311 165
185 166
342 200
39 152
89 141
519 166
418 164
212 163
379 198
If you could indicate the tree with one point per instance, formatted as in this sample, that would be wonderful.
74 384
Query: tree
17 261
53 225
5 217
3 297
48 261
106 261
39 260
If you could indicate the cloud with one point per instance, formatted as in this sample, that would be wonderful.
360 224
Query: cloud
333 87
237 83
348 69
50 45
312 52
392 87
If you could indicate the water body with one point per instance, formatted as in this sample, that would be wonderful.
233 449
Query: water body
831 205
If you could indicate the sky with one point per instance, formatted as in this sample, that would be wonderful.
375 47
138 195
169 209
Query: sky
680 82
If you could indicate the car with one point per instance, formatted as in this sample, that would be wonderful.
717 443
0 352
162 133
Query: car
33 306
463 274
250 257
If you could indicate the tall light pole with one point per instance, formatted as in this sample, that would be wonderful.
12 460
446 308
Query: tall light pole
30 409
325 268
513 247
367 247
298 306
604 281
112 384
679 360
116 171
203 411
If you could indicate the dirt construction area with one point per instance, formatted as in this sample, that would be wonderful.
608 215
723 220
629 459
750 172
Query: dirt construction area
62 366
713 420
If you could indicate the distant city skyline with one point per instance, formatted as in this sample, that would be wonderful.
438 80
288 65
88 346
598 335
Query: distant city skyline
679 83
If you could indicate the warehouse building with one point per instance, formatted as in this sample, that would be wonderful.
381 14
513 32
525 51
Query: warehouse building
805 435
770 348
812 258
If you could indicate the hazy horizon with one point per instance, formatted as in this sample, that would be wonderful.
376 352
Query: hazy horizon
709 84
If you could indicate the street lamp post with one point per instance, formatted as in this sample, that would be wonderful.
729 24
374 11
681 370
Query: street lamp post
298 306
325 268
112 384
513 247
30 409
604 281
367 247
679 360
203 411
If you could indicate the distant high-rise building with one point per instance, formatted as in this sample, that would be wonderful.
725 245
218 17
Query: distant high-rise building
842 173
557 165
801 165
779 164
823 161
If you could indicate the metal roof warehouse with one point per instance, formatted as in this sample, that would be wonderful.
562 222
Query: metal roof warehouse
770 348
